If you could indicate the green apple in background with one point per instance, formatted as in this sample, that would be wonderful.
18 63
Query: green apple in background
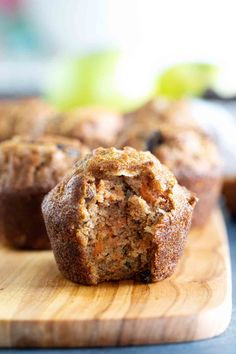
111 78
190 79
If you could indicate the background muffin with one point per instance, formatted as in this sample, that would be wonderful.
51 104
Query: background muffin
161 111
94 126
118 215
189 153
30 168
24 116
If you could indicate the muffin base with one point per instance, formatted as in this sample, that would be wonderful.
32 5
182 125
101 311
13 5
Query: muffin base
21 221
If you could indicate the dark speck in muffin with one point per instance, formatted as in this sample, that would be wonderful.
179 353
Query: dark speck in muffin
128 265
144 276
155 139
61 146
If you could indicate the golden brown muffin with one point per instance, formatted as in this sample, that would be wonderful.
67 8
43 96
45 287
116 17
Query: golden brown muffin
161 111
189 153
24 116
119 215
94 126
29 169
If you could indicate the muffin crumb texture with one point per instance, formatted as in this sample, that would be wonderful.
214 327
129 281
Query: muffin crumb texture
119 215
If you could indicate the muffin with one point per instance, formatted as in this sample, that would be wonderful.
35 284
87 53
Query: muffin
24 116
29 169
189 153
119 215
161 111
94 126
219 122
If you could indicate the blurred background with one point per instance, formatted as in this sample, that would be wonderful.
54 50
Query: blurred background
45 45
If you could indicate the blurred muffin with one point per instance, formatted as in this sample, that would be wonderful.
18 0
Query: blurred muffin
29 169
189 153
161 111
24 116
94 126
218 120
120 214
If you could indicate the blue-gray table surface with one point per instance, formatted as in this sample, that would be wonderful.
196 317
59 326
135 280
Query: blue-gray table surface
225 343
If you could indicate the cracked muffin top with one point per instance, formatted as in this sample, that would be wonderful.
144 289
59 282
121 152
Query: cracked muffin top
24 116
153 181
105 163
94 126
183 149
37 164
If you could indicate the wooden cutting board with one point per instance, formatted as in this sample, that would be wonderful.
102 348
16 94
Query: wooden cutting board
39 308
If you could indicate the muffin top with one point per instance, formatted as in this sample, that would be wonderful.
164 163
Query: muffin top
37 164
149 177
161 111
94 126
24 116
183 149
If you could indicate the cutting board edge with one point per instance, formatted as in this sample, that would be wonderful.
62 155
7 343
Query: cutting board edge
127 334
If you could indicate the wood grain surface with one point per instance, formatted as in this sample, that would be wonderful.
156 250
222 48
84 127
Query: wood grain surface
39 308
